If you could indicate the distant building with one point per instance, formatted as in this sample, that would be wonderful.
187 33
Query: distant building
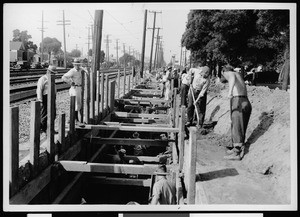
16 50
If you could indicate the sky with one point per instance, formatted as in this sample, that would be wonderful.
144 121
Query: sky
122 21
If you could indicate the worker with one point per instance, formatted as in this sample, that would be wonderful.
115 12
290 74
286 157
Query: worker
74 78
42 93
164 192
138 150
240 111
197 95
185 84
166 79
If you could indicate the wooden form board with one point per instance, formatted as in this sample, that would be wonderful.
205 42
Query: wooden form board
153 101
130 128
119 181
137 115
135 124
84 166
124 141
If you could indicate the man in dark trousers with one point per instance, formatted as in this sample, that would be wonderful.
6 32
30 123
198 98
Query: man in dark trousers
42 93
240 110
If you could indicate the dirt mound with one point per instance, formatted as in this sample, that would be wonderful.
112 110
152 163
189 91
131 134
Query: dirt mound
268 134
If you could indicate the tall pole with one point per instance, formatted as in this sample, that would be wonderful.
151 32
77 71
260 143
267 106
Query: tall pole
117 47
143 45
64 23
150 65
96 61
156 48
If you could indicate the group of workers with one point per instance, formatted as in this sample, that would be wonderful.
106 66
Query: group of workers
195 83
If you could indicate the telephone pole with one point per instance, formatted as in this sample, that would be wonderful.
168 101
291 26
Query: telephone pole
143 45
64 23
42 30
156 48
88 43
107 41
117 47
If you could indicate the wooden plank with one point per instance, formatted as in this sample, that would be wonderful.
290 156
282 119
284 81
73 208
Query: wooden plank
128 86
72 114
119 85
181 136
191 162
103 180
111 99
135 120
153 101
130 128
147 90
134 124
84 166
82 96
87 98
35 121
14 150
174 107
137 115
106 91
98 94
124 79
51 116
130 142
102 94
61 131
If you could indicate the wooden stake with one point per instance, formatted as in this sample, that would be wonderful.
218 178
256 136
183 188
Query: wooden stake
191 192
14 152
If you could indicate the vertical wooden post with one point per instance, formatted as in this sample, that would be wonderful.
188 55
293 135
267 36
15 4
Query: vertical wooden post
191 165
61 131
72 114
98 94
14 150
51 116
98 21
82 97
181 136
112 95
143 45
119 83
87 98
102 95
35 122
124 82
106 91
128 87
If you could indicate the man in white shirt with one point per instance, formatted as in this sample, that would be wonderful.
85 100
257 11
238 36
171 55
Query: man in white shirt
199 86
42 93
74 78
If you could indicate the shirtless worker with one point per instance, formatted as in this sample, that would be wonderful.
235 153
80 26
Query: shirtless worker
240 110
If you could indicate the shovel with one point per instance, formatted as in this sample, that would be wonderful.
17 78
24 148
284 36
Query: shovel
196 108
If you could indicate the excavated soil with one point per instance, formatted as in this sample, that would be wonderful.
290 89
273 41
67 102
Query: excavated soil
263 176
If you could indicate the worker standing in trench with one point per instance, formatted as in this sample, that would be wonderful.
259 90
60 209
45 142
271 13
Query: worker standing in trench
240 111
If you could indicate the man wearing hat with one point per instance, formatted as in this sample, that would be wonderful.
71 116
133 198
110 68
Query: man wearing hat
74 78
167 82
42 93
197 95
164 191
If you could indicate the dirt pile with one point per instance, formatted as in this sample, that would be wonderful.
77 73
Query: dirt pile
268 134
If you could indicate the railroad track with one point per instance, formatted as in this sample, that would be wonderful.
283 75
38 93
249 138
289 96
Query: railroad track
29 91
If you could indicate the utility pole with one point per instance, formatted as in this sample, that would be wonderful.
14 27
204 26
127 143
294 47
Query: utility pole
42 30
88 43
64 23
156 47
143 45
152 38
117 47
107 41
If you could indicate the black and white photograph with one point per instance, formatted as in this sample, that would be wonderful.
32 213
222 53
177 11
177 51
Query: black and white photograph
142 107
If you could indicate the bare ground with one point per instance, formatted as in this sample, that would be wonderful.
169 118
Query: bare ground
263 176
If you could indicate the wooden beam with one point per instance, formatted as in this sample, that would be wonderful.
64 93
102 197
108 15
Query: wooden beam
153 101
84 166
130 128
133 124
111 99
146 90
135 106
131 142
103 180
136 115
14 150
119 83
82 96
61 131
72 114
35 135
50 116
181 136
191 163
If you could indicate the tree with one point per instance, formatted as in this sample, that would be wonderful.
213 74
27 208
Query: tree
75 53
51 45
24 37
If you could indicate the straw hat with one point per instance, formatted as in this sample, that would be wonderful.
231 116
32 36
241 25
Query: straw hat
76 62
52 69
